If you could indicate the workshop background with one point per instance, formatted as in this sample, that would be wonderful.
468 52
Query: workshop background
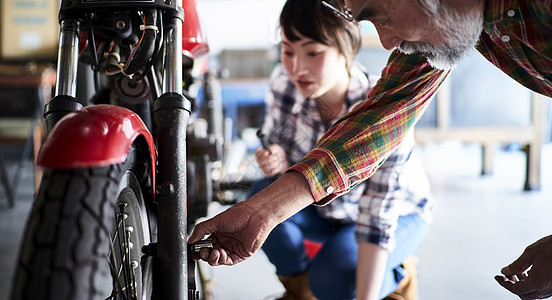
485 141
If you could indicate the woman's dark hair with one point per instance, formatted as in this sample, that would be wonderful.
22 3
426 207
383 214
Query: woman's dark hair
311 19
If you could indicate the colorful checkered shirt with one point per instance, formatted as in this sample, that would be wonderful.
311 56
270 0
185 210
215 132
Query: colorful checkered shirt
399 187
517 38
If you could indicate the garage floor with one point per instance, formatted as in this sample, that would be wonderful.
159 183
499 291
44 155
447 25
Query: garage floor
482 223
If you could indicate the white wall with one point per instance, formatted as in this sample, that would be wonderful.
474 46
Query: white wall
240 24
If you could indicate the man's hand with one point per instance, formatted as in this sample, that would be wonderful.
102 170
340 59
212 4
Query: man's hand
530 275
236 234
240 231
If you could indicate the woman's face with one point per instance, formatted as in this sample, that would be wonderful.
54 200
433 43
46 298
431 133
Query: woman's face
313 67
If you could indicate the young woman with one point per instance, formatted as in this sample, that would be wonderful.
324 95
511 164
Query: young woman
368 234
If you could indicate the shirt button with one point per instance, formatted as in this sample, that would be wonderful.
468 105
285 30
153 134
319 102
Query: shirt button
329 189
505 38
511 13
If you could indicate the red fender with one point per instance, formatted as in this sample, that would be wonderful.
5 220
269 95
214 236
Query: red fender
95 136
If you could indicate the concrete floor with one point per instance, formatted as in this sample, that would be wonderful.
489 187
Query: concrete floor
482 223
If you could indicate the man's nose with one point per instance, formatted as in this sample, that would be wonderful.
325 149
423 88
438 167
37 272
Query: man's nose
388 39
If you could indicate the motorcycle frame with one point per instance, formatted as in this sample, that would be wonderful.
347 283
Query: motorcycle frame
171 112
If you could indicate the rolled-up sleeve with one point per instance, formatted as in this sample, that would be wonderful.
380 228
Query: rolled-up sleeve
351 151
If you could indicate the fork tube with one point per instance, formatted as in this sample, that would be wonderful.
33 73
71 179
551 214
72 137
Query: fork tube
172 75
171 113
65 100
66 80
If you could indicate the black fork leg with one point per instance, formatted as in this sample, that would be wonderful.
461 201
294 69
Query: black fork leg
171 114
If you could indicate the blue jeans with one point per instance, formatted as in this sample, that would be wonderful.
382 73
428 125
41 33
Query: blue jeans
332 271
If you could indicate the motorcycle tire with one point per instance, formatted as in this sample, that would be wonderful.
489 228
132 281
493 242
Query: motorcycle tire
83 227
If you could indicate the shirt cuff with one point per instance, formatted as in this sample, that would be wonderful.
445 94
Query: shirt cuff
325 177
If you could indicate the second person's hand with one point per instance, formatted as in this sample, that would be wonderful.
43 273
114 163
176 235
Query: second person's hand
272 161
529 275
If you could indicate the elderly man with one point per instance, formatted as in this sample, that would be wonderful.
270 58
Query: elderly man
429 37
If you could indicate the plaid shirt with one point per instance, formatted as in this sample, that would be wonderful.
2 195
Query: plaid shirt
516 38
399 187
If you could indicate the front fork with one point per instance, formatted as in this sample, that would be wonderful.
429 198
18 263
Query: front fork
171 115
65 100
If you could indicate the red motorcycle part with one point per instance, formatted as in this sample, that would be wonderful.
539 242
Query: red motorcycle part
95 136
193 41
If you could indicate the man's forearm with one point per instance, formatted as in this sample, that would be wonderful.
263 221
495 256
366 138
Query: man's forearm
282 199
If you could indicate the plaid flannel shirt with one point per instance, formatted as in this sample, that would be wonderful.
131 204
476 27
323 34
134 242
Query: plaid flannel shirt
399 187
516 38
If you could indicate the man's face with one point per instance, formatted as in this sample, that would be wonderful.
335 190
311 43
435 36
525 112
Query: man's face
445 37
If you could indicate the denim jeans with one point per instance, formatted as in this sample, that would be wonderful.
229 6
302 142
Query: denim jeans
332 271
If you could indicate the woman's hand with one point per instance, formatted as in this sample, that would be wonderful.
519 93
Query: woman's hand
371 263
272 161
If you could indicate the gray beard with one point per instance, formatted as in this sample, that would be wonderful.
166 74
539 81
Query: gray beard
461 34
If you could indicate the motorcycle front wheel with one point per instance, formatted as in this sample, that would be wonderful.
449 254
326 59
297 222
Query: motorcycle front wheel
84 236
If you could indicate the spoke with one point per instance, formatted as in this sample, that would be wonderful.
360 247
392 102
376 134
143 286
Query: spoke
122 252
112 260
120 257
124 242
112 269
116 236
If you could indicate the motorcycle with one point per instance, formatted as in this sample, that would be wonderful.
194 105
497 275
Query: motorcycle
125 176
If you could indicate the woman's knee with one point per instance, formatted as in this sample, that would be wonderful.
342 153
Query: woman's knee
333 277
